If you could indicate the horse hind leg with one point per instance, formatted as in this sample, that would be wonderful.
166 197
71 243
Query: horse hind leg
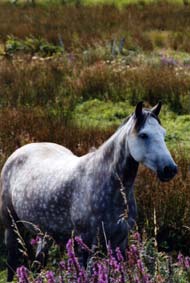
13 253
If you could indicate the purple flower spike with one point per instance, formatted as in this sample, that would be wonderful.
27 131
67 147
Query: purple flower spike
187 262
140 265
180 259
39 280
50 277
137 237
82 244
168 61
72 261
119 254
62 265
35 241
22 273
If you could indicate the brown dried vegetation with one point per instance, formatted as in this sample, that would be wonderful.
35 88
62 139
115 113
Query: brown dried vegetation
38 95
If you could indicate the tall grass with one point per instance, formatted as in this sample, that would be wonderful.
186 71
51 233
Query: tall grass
92 24
60 83
39 89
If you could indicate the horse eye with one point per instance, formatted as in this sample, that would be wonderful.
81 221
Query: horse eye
143 136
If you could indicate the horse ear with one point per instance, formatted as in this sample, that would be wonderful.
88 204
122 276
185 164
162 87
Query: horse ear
156 109
138 110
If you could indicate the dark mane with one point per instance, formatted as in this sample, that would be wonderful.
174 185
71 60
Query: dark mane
139 123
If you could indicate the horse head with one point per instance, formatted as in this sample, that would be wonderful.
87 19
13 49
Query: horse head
146 142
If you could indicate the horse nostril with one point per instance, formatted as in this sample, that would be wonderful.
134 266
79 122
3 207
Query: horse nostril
167 170
170 170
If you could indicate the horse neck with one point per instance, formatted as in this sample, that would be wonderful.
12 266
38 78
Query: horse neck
117 159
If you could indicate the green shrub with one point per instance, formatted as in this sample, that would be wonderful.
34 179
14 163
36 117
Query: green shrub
32 46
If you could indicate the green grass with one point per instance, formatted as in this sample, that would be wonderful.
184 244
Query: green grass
100 114
3 276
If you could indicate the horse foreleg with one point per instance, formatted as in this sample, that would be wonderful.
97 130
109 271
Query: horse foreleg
13 253
132 209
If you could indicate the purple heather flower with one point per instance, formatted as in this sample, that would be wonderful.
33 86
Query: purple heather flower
187 262
168 61
180 259
22 273
102 273
39 280
133 249
133 255
50 277
70 249
137 237
119 254
72 261
82 278
62 265
137 279
140 265
35 241
145 278
82 244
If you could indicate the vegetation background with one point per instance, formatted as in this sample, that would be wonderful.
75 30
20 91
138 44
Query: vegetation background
71 71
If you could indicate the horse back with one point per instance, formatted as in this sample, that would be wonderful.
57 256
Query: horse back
24 167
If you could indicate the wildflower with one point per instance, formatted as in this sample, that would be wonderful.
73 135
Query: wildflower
62 265
168 61
145 278
72 261
137 279
137 237
39 280
113 263
22 273
102 273
82 244
180 259
140 265
120 265
133 255
35 241
187 262
119 254
50 277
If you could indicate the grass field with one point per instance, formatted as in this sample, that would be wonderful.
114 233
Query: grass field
71 73
119 3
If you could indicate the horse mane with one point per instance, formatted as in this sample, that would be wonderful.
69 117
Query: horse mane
139 123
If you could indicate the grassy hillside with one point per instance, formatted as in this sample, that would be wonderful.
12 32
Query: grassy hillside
119 3
71 73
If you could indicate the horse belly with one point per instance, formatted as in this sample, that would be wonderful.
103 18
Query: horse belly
41 203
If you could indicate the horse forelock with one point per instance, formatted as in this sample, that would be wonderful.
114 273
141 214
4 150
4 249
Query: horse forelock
139 123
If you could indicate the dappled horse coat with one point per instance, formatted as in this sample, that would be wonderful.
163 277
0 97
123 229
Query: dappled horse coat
49 186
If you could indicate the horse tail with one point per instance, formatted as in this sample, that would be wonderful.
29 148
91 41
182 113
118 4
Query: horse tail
7 212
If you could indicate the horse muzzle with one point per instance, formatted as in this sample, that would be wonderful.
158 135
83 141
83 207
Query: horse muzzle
167 173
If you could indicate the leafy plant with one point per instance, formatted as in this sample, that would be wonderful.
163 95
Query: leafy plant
31 45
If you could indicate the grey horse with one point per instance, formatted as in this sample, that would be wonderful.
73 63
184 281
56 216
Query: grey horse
49 186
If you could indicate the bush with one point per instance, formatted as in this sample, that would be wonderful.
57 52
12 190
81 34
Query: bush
32 46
